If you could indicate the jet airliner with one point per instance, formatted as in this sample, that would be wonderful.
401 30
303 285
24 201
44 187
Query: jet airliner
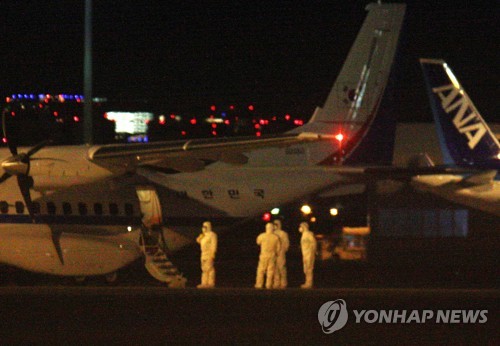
465 141
75 211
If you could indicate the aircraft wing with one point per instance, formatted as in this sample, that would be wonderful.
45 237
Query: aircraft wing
191 155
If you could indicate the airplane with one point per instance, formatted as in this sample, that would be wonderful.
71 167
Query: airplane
78 210
465 140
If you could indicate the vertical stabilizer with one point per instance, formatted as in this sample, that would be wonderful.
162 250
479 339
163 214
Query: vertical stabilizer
465 138
353 104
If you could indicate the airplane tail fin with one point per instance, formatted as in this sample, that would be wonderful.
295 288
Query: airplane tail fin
465 138
353 108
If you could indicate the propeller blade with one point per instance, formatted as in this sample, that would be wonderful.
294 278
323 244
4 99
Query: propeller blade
25 183
10 143
4 177
38 147
56 239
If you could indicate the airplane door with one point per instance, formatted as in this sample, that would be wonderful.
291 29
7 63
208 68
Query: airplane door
150 206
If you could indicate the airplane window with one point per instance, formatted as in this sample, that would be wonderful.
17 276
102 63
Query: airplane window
19 207
98 208
67 208
36 208
4 207
51 208
113 208
129 209
82 209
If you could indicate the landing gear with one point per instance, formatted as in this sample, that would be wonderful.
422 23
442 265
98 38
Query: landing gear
111 277
80 279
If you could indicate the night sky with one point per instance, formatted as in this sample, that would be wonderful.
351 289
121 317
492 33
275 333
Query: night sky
282 56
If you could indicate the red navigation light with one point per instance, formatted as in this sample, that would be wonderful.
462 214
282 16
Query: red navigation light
266 217
339 136
250 107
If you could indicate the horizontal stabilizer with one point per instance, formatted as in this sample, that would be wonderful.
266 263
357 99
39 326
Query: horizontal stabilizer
479 179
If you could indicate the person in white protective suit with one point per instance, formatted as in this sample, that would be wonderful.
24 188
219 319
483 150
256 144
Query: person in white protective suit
308 246
208 245
269 249
280 277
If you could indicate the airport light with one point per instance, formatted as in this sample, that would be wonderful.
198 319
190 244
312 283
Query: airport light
339 137
334 211
266 217
306 209
275 211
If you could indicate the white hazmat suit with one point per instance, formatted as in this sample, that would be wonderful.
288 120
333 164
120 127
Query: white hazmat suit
208 245
308 246
280 275
269 249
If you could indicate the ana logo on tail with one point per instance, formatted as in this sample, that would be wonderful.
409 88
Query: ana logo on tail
466 120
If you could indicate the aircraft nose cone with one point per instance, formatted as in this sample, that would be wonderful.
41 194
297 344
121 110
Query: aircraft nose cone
15 165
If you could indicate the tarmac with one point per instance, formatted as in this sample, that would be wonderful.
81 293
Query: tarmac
137 310
161 316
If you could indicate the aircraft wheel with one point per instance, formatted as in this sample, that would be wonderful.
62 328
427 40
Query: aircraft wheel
111 277
80 279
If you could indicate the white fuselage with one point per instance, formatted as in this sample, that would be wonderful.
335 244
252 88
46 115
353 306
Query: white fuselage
96 213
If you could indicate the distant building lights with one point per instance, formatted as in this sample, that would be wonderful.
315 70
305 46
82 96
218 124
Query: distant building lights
334 211
162 120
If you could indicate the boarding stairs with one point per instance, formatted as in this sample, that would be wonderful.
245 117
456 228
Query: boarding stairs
157 262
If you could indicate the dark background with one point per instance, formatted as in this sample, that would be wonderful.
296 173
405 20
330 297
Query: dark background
281 56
